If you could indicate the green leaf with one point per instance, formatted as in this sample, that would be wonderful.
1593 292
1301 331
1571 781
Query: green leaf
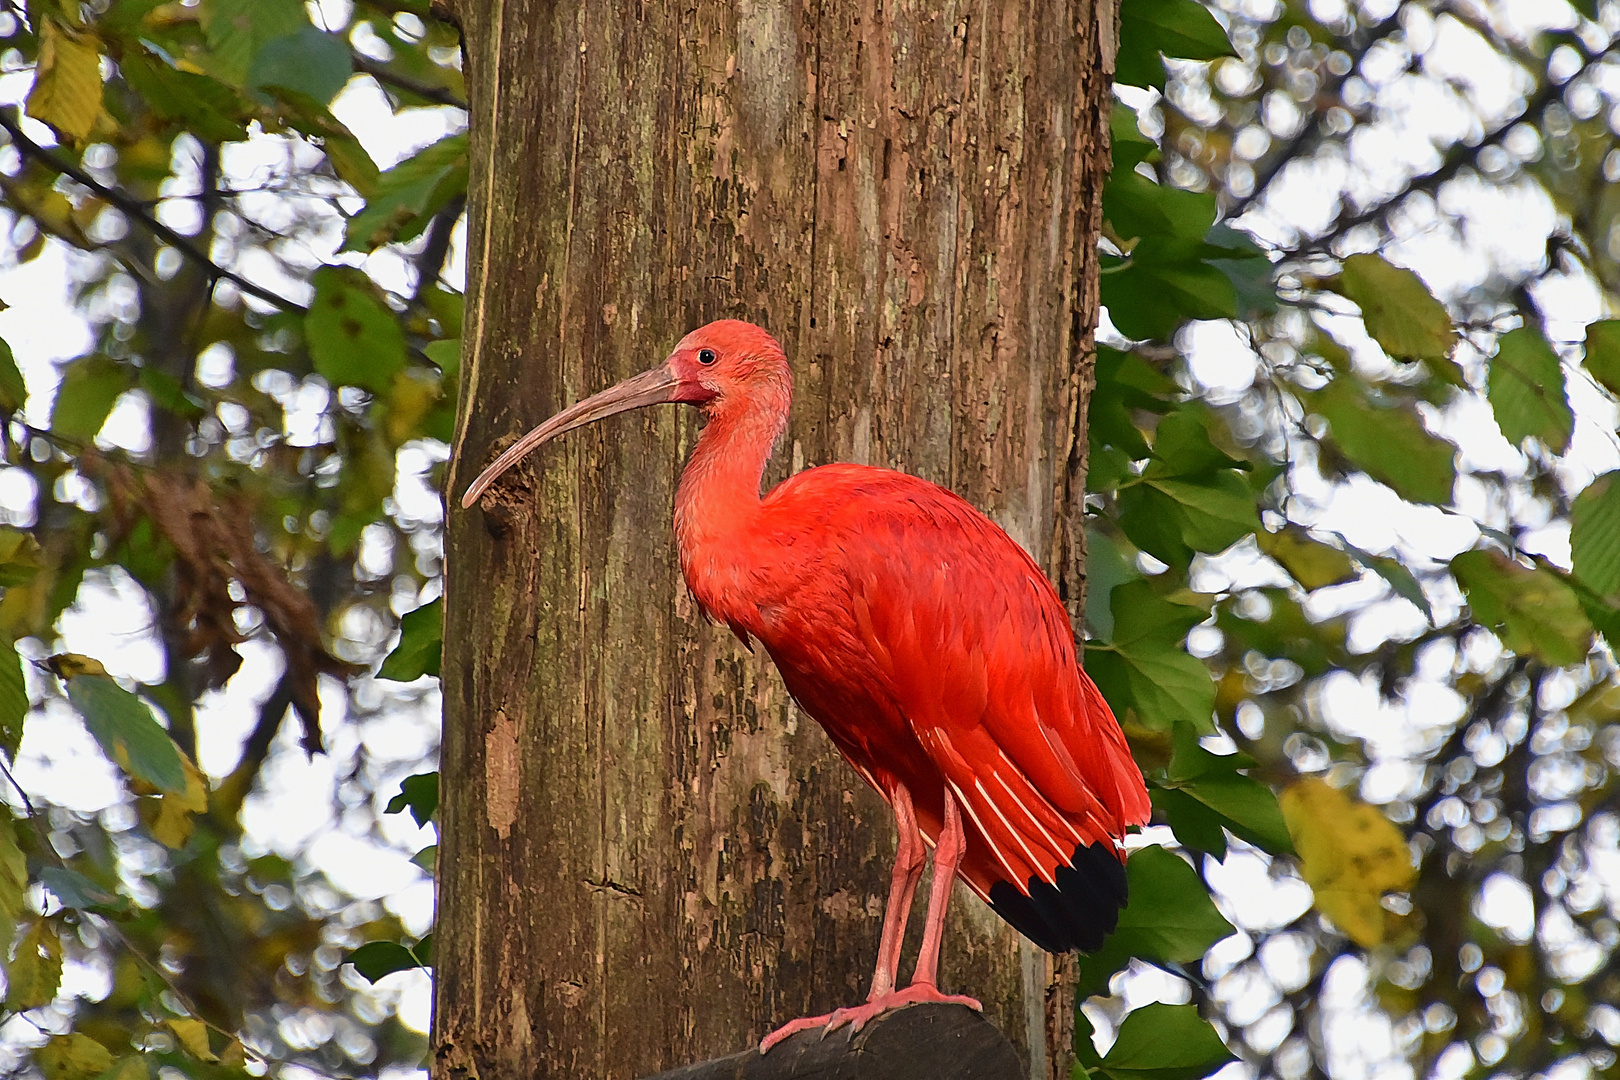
1532 610
1145 668
420 793
427 858
123 724
420 636
1527 390
1196 826
1390 444
307 61
1603 353
74 1056
1243 262
1106 569
1594 536
447 355
1310 562
1131 147
1171 218
1244 805
167 393
1125 385
33 976
67 80
13 390
74 890
1396 576
90 387
1165 1042
354 338
1149 300
1182 447
237 29
1153 521
375 959
1177 28
203 105
1217 510
1170 919
14 703
1401 313
409 194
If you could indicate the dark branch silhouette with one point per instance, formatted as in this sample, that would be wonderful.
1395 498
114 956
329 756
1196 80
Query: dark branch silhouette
135 209
383 74
923 1042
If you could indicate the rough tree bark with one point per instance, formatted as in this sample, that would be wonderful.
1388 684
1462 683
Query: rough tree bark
649 856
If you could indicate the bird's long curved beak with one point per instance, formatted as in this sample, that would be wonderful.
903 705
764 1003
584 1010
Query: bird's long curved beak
649 388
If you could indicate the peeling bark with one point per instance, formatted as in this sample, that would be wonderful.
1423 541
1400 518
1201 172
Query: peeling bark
649 856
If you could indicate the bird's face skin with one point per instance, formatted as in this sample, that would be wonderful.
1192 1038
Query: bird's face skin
727 362
723 368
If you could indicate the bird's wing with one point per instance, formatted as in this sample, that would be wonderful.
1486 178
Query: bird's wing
979 654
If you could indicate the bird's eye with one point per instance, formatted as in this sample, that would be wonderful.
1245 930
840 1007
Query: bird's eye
706 356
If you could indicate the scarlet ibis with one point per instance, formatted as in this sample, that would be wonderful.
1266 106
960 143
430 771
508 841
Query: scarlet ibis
926 642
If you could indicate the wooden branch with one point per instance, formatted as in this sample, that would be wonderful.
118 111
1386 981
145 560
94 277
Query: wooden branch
923 1042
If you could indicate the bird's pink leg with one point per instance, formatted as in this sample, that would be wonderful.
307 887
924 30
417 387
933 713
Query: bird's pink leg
909 857
923 987
908 865
947 857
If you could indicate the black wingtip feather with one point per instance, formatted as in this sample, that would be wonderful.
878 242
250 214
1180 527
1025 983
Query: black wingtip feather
1076 913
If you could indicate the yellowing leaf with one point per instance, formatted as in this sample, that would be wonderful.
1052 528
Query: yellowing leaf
130 1067
1533 611
1392 444
33 976
73 1057
171 822
414 395
1401 313
193 1035
234 1055
69 664
1312 563
67 82
1350 856
13 882
14 702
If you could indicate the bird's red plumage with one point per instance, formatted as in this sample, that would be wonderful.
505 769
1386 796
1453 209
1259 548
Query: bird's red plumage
933 650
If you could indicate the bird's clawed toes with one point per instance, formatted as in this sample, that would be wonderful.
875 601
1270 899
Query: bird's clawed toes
855 1017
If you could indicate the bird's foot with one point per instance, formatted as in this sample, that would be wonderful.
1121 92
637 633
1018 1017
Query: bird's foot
856 1016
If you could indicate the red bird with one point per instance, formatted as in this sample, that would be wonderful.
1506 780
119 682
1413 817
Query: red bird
926 642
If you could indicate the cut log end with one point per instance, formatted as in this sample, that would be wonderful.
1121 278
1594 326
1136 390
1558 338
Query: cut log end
922 1042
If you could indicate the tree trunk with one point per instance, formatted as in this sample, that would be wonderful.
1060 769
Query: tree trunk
650 856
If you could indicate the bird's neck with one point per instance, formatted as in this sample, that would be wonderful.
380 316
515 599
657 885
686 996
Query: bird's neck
717 506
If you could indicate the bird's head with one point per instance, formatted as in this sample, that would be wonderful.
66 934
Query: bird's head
725 368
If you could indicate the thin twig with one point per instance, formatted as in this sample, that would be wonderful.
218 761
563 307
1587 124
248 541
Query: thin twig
382 74
133 208
1312 128
1459 157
